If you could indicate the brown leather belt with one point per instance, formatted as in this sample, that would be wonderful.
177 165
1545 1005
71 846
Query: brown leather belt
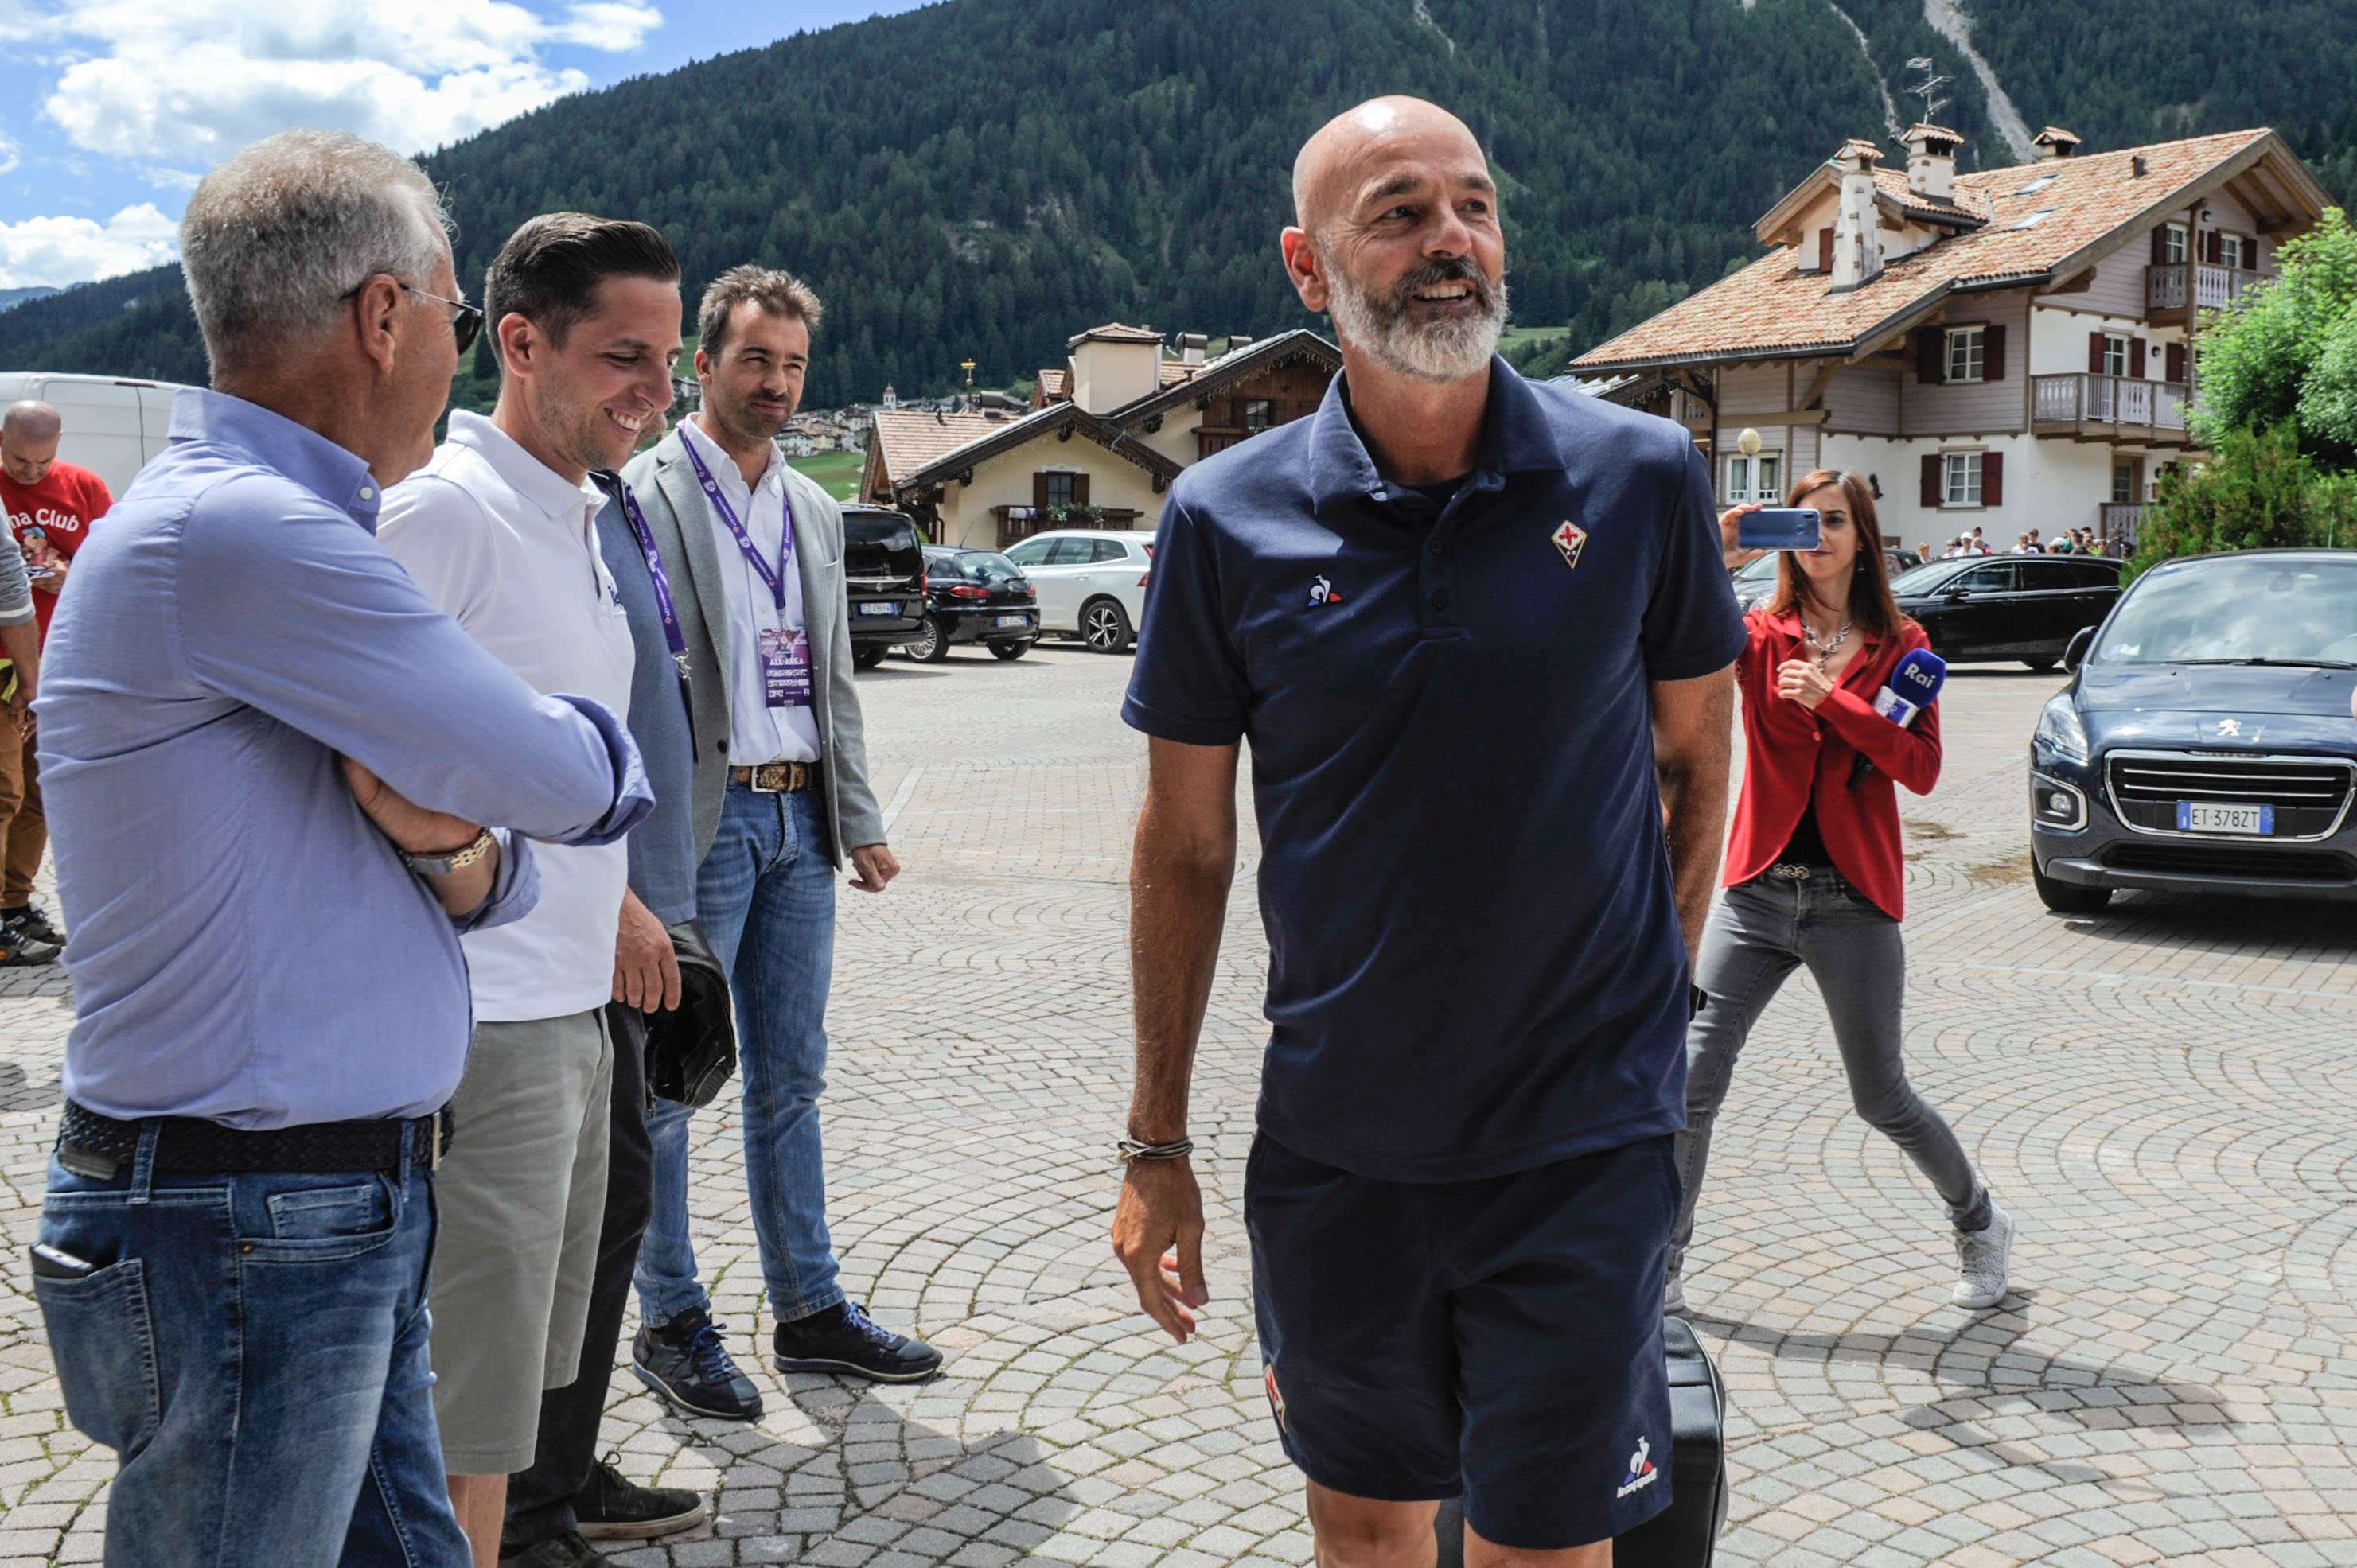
775 777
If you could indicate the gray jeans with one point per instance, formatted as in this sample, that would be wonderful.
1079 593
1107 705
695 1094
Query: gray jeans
1760 932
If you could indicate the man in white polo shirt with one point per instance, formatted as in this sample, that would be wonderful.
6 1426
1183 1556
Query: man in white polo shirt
499 530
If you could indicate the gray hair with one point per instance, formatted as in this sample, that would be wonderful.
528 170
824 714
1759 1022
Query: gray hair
275 238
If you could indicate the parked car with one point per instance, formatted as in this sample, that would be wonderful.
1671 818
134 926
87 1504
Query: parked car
1091 582
112 425
974 595
884 577
2205 743
1981 609
1755 581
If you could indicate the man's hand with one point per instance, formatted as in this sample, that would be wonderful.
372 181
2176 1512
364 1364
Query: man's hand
646 967
1692 746
1157 1234
873 867
21 645
410 827
420 831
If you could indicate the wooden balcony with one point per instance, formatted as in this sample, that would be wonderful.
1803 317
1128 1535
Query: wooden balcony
2213 288
1017 523
2109 409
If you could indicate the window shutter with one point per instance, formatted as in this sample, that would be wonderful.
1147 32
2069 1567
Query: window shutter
2159 242
2173 362
1079 489
1992 478
1039 492
1993 351
2251 254
1824 250
2094 353
2213 247
2135 356
1930 356
1933 483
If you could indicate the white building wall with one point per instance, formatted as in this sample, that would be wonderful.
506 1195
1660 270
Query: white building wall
1005 480
2049 485
1972 406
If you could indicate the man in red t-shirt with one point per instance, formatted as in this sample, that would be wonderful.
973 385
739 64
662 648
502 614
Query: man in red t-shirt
50 506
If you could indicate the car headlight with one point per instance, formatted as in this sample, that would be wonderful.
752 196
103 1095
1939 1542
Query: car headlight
2060 731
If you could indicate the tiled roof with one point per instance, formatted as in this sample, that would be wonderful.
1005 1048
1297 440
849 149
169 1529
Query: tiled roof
1114 332
1055 383
907 439
1176 371
1772 309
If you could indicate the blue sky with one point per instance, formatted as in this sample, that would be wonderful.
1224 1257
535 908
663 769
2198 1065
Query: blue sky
117 107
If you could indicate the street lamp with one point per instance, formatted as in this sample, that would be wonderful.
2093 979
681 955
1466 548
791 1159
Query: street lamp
1747 443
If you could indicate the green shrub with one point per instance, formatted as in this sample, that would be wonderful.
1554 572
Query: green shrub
2258 491
2256 358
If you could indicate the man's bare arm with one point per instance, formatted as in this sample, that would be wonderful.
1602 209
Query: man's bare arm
1179 875
1691 725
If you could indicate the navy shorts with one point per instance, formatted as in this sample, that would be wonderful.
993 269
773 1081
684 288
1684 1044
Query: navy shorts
1501 1338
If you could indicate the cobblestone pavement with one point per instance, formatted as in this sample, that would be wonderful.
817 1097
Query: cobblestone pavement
2162 1096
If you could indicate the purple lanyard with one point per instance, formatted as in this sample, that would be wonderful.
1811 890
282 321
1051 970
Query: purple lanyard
776 579
645 536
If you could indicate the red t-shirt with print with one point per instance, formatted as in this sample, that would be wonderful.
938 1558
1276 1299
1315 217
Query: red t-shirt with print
55 514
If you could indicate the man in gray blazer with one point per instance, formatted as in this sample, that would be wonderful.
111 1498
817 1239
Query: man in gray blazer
781 801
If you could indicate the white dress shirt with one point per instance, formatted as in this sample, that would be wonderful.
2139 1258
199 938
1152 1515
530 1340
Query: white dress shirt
757 732
509 548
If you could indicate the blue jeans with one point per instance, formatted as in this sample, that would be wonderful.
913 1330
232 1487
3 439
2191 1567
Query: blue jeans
252 1348
765 897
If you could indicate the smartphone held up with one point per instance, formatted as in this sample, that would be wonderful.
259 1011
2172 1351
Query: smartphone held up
1779 528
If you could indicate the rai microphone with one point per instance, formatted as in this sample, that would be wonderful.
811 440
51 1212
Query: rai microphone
1915 680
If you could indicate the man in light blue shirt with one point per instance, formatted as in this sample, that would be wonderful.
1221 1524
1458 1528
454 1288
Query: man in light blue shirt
266 755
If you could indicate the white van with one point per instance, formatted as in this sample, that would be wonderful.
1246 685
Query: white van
112 426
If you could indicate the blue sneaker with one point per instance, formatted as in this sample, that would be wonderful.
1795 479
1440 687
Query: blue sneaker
844 1338
685 1361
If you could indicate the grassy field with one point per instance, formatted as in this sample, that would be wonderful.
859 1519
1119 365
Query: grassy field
838 471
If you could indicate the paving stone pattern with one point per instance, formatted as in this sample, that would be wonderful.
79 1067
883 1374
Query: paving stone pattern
2162 1096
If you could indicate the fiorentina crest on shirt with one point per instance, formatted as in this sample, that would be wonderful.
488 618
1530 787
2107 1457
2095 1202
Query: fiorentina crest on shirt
1568 539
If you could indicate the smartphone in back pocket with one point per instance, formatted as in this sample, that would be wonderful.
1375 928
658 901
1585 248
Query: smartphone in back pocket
1778 528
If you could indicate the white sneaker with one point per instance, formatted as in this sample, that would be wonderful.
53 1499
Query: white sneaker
1674 1298
1981 1259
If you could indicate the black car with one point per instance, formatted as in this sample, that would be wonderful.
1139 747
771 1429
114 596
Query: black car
884 577
1755 582
2205 742
974 595
1980 609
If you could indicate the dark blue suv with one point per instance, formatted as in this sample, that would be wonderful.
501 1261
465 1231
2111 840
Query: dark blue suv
2205 743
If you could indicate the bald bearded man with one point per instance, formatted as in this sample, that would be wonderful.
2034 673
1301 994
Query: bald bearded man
1478 633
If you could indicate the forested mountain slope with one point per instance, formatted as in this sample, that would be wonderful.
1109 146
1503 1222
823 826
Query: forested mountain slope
983 178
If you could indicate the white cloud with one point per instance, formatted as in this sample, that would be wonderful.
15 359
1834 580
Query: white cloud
59 251
186 82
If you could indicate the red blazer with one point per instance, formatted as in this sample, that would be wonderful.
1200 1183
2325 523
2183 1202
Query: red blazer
1787 747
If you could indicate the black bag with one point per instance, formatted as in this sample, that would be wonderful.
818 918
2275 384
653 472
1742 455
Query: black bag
1685 1534
692 1049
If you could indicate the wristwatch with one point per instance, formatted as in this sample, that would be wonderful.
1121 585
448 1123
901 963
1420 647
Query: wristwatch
448 861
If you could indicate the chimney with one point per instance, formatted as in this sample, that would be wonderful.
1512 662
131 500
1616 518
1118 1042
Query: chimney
1115 365
1931 161
2054 142
1858 233
1190 348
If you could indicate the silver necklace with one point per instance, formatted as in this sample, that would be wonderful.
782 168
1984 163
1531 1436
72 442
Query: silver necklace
1825 650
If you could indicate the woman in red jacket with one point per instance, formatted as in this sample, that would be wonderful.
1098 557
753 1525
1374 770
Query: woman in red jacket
1814 874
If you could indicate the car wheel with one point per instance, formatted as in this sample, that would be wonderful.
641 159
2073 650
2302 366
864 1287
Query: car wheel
931 647
1010 649
868 658
2066 898
1105 626
2042 665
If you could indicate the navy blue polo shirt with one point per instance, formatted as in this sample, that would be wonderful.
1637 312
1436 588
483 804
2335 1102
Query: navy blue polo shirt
1475 963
